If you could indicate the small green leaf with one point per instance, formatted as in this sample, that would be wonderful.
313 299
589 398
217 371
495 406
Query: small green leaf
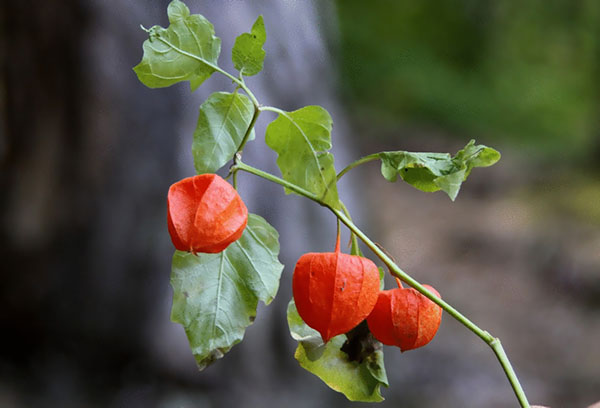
431 172
215 295
381 278
358 381
302 139
247 53
354 248
223 121
185 51
477 156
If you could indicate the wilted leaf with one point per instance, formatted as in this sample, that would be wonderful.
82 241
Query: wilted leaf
431 172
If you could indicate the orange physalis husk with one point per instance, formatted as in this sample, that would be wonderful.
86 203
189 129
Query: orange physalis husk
405 318
205 214
333 291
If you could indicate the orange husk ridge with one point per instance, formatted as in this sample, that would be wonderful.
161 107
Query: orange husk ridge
405 318
205 214
333 291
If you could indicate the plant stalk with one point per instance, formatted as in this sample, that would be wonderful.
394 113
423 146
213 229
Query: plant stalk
355 248
249 131
358 162
239 81
490 340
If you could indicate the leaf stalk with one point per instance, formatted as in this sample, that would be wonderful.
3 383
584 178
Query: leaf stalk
238 81
358 162
248 131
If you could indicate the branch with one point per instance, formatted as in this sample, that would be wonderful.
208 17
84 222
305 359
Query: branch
490 340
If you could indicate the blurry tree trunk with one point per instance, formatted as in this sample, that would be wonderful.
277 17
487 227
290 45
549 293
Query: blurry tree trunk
75 262
45 182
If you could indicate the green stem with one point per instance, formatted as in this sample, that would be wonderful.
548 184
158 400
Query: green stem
234 180
490 340
396 271
496 346
360 161
239 165
249 130
273 109
338 235
242 84
239 81
355 248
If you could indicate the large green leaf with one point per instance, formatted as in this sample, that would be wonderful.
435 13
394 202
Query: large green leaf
215 295
224 119
436 171
185 51
247 53
358 380
301 139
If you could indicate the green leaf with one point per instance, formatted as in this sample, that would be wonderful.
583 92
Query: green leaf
301 139
358 381
247 53
223 121
477 156
431 172
215 295
185 51
354 248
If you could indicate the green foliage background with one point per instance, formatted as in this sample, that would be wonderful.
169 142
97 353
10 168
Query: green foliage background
521 72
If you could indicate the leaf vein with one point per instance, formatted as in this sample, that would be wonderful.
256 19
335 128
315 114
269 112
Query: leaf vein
311 148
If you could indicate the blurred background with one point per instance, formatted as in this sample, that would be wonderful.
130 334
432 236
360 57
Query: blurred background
87 154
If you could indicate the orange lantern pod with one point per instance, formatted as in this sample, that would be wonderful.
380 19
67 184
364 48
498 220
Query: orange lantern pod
405 318
205 214
333 291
